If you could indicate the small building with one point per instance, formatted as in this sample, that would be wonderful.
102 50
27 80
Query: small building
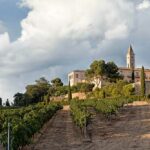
76 76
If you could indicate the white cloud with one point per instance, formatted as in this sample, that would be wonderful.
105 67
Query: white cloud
144 5
120 31
62 33
75 18
67 35
4 40
59 32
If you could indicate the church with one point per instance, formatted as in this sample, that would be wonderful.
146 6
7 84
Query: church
127 71
78 76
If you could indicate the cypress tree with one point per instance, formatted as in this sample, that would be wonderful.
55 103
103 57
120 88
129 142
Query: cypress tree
133 76
69 92
143 89
1 101
7 103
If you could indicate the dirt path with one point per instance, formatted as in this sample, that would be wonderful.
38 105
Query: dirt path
60 135
130 130
1 147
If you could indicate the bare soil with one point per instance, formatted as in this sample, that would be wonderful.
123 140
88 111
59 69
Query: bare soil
129 130
60 133
1 147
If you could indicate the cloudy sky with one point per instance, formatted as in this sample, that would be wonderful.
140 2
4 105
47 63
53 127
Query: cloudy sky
52 37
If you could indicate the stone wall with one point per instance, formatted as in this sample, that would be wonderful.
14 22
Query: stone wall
78 95
147 87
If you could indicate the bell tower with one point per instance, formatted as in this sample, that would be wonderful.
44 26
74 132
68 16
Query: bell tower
130 58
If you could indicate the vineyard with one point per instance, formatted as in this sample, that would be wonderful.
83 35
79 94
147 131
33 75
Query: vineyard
107 107
113 120
24 123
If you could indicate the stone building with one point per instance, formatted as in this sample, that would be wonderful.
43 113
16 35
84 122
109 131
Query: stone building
78 76
127 72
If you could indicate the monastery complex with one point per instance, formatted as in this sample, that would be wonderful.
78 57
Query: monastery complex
78 76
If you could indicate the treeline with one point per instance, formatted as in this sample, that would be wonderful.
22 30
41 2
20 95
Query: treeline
7 103
43 90
98 72
1 102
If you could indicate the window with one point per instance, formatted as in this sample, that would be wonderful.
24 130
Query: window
77 75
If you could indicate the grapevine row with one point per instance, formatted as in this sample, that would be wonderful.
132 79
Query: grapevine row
107 107
25 122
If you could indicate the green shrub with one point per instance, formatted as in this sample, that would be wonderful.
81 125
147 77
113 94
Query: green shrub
128 90
79 113
82 87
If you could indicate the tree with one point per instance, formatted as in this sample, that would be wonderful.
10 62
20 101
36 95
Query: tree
112 72
42 80
82 87
19 99
69 92
1 101
143 88
51 91
96 72
100 70
7 103
86 87
43 86
61 90
34 92
133 76
27 99
57 82
37 92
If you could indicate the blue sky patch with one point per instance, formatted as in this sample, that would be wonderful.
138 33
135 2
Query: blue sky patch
11 15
